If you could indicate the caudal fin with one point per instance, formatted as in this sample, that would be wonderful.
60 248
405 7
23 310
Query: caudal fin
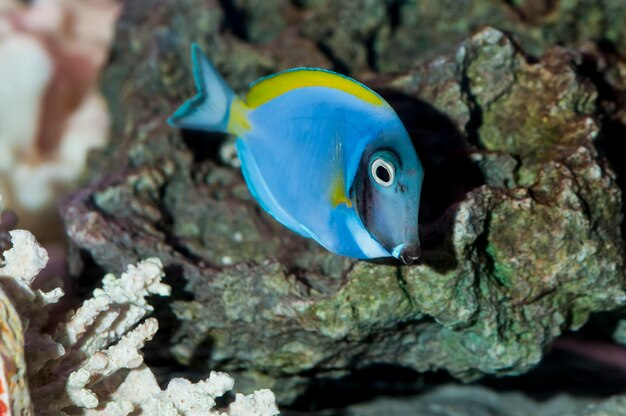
209 109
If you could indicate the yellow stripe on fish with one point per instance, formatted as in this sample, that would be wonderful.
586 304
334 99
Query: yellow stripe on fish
238 123
271 87
338 193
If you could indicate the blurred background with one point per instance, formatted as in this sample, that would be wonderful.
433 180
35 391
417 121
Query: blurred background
52 113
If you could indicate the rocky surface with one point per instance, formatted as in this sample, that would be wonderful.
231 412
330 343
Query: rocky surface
452 400
521 209
470 401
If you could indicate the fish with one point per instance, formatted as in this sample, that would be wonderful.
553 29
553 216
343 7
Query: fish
324 155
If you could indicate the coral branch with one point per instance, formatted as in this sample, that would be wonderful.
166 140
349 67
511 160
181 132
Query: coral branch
124 354
93 364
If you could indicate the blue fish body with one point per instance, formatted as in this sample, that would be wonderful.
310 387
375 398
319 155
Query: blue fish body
323 154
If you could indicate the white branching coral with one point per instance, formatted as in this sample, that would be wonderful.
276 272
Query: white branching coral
124 354
261 402
100 316
25 260
95 342
97 330
185 398
92 364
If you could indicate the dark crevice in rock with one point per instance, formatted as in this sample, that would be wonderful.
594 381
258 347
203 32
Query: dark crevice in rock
181 248
235 19
360 386
600 327
588 212
402 284
8 221
203 145
534 298
202 354
313 278
371 55
482 247
476 114
91 272
5 243
173 241
517 168
302 276
514 7
300 4
531 11
395 14
607 47
607 97
610 142
564 371
339 65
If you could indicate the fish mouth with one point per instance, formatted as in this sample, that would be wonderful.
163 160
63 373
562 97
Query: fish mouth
407 253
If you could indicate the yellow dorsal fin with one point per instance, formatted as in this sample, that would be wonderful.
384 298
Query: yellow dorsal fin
271 87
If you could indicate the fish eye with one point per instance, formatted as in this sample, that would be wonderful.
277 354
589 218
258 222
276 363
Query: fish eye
383 172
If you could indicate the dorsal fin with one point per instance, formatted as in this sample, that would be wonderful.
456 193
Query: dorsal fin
270 87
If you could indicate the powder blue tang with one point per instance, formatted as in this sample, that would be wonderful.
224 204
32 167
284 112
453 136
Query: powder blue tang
323 154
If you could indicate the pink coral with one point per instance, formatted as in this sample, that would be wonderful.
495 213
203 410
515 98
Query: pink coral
51 113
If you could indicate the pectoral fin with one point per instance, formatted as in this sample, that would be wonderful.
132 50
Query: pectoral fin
338 191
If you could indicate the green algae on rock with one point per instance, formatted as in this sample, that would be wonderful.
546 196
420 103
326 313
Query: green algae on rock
521 221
